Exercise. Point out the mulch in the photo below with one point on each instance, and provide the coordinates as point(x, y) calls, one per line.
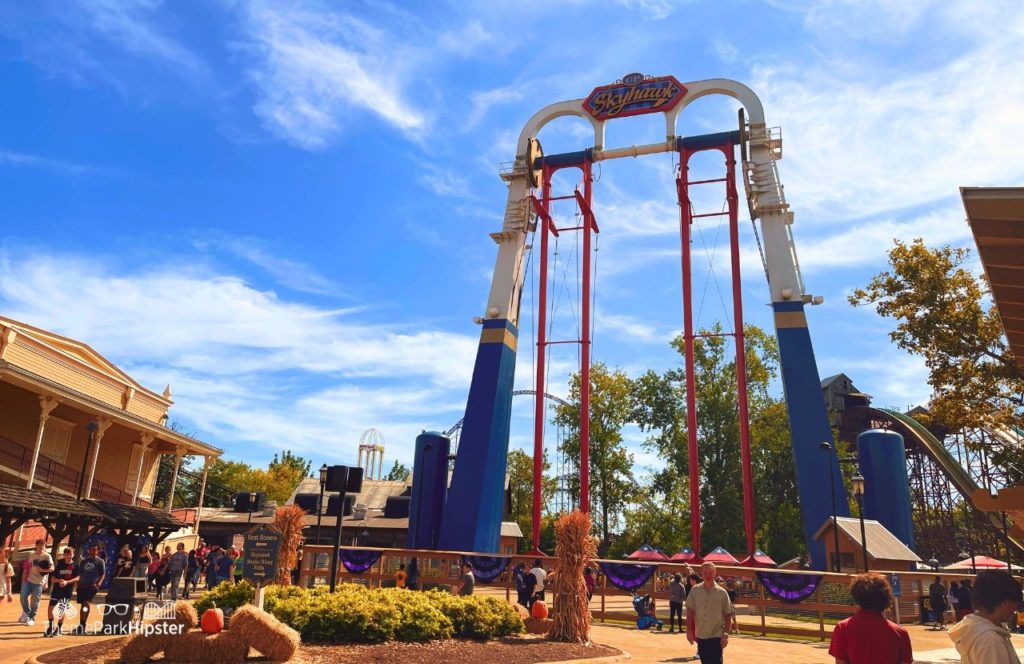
point(521, 650)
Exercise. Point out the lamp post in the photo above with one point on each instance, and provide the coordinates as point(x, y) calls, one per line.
point(320, 505)
point(858, 494)
point(252, 501)
point(1006, 542)
point(91, 427)
point(969, 545)
point(827, 448)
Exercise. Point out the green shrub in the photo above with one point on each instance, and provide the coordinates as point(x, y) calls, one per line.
point(355, 614)
point(227, 595)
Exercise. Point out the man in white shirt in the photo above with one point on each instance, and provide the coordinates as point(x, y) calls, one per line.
point(541, 576)
point(41, 564)
point(709, 615)
point(981, 638)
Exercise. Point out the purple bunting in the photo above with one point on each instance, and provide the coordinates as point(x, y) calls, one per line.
point(358, 562)
point(789, 588)
point(486, 568)
point(627, 576)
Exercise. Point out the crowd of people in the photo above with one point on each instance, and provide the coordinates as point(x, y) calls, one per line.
point(80, 577)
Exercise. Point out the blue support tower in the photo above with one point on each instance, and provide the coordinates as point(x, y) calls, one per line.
point(809, 426)
point(882, 457)
point(476, 498)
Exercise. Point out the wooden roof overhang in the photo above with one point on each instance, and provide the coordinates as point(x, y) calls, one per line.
point(60, 515)
point(127, 521)
point(996, 216)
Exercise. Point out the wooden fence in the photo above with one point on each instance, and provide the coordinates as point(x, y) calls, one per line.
point(757, 612)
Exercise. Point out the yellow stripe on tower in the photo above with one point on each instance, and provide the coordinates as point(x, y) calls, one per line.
point(784, 319)
point(498, 335)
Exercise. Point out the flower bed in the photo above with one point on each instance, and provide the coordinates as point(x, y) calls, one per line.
point(355, 614)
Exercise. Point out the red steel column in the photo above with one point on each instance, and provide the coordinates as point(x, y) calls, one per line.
point(588, 223)
point(542, 339)
point(682, 189)
point(741, 353)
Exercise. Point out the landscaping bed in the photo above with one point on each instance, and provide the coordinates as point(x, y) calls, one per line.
point(518, 649)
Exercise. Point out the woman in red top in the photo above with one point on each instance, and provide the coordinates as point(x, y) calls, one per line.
point(867, 637)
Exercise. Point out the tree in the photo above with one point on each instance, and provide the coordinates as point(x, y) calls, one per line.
point(611, 481)
point(520, 482)
point(278, 480)
point(659, 409)
point(940, 313)
point(398, 472)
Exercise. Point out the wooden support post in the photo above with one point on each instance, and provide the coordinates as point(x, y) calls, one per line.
point(764, 630)
point(46, 406)
point(821, 611)
point(104, 424)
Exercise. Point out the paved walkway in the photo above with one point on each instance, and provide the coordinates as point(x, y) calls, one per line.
point(19, 642)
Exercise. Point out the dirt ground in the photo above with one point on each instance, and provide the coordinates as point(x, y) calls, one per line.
point(520, 650)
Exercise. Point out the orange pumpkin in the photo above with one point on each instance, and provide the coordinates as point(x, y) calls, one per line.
point(212, 621)
point(539, 610)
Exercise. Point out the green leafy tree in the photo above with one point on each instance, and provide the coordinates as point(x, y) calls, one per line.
point(398, 472)
point(520, 482)
point(611, 482)
point(943, 315)
point(659, 409)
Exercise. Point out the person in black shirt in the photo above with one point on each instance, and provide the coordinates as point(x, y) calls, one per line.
point(937, 597)
point(90, 578)
point(62, 583)
point(965, 605)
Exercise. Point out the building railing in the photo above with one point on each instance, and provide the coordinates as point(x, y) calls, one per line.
point(54, 475)
point(757, 612)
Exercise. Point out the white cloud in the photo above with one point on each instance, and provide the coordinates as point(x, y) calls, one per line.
point(484, 100)
point(247, 366)
point(316, 68)
point(134, 26)
point(286, 272)
point(654, 10)
point(467, 40)
point(36, 161)
point(861, 139)
point(444, 181)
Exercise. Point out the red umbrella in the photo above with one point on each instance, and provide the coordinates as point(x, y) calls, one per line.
point(686, 556)
point(647, 552)
point(720, 556)
point(759, 559)
point(980, 562)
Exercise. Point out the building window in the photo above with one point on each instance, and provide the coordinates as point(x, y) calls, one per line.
point(57, 439)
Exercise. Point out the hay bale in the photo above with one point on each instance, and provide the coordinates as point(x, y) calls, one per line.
point(522, 611)
point(537, 625)
point(185, 615)
point(201, 648)
point(140, 647)
point(262, 631)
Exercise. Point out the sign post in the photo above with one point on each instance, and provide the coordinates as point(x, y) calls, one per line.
point(896, 592)
point(262, 552)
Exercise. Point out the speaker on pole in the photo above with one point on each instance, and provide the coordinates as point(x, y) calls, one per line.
point(355, 480)
point(337, 477)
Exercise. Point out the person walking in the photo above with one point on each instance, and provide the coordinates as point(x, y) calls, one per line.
point(541, 576)
point(519, 579)
point(966, 607)
point(212, 559)
point(954, 600)
point(177, 564)
point(6, 577)
point(91, 571)
point(124, 565)
point(590, 582)
point(676, 597)
point(40, 564)
point(867, 637)
point(163, 572)
point(400, 576)
point(708, 617)
point(191, 573)
point(414, 575)
point(142, 564)
point(62, 584)
point(937, 597)
point(980, 637)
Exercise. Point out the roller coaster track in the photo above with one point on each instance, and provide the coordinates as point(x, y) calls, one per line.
point(977, 496)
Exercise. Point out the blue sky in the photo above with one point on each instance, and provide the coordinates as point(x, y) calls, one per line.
point(282, 209)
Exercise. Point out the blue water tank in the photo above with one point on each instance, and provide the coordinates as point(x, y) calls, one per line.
point(883, 462)
point(429, 489)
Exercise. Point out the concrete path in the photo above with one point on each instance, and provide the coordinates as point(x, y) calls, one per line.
point(19, 642)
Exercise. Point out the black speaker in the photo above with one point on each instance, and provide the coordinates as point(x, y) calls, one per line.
point(243, 504)
point(126, 588)
point(396, 507)
point(310, 502)
point(333, 502)
point(355, 480)
point(337, 478)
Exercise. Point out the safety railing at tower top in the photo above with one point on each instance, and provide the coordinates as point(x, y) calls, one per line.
point(757, 612)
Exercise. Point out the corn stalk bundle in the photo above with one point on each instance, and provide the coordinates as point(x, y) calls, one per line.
point(574, 548)
point(290, 520)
